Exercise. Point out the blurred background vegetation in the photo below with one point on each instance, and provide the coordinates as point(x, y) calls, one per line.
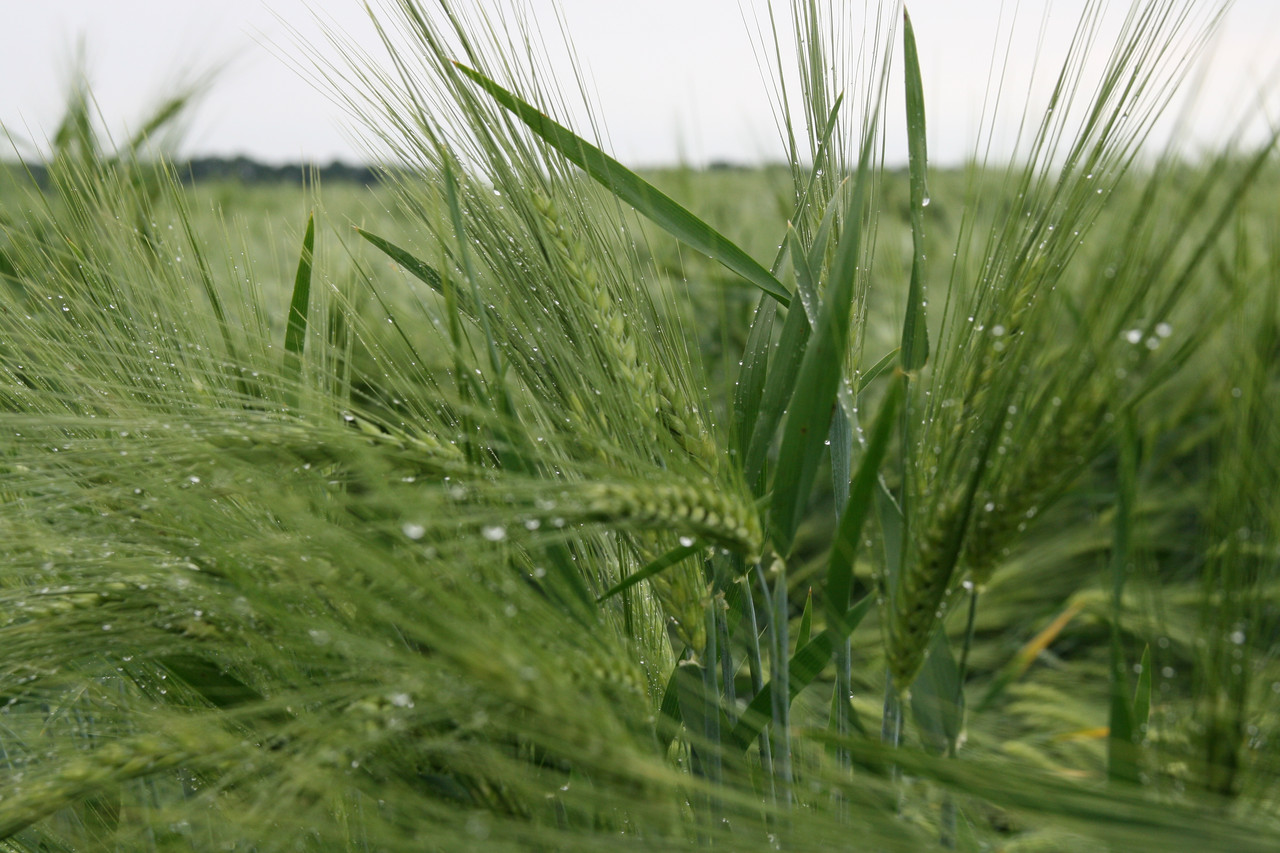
point(229, 614)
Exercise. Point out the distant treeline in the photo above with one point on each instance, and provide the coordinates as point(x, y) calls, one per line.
point(248, 171)
point(252, 172)
point(244, 170)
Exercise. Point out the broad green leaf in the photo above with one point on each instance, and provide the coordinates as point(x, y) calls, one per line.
point(915, 333)
point(634, 190)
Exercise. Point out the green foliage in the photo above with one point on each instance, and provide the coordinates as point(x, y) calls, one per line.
point(541, 531)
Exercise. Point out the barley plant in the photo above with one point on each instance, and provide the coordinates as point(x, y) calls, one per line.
point(519, 507)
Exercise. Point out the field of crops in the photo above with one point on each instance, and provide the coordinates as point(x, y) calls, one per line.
point(524, 502)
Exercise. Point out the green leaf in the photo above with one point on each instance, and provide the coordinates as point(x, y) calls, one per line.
point(749, 391)
point(1122, 750)
point(1021, 661)
point(634, 190)
point(915, 333)
point(1142, 696)
point(418, 269)
point(666, 561)
point(937, 702)
point(806, 664)
point(841, 442)
point(806, 622)
point(468, 270)
point(861, 496)
point(670, 707)
point(873, 372)
point(1122, 753)
point(819, 163)
point(778, 388)
point(806, 280)
point(816, 385)
point(818, 250)
point(295, 335)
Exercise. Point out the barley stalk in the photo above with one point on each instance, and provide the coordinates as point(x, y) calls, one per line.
point(703, 512)
point(659, 402)
point(916, 603)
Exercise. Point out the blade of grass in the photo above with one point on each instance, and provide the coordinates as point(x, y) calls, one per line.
point(841, 443)
point(934, 707)
point(872, 373)
point(418, 269)
point(756, 669)
point(749, 391)
point(805, 665)
point(819, 163)
point(818, 248)
point(805, 630)
point(812, 404)
point(1026, 655)
point(666, 561)
point(779, 385)
point(861, 495)
point(1122, 758)
point(468, 270)
point(634, 190)
point(295, 334)
point(1142, 696)
point(915, 332)
point(780, 673)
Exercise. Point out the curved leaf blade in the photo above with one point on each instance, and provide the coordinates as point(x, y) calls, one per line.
point(634, 190)
point(915, 332)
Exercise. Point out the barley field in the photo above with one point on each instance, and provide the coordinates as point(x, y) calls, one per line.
point(527, 502)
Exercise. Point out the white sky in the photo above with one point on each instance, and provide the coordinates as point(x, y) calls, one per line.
point(675, 78)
